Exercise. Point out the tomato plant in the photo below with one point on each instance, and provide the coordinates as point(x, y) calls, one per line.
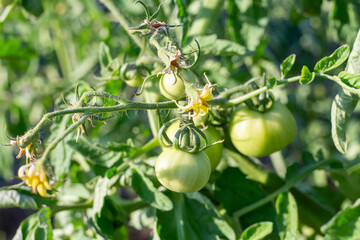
point(259, 134)
point(92, 96)
point(181, 171)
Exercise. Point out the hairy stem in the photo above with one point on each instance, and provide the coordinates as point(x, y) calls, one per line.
point(56, 141)
point(125, 104)
point(80, 206)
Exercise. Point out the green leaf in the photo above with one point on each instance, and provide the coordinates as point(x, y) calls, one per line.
point(334, 60)
point(145, 189)
point(353, 64)
point(306, 76)
point(287, 215)
point(344, 225)
point(211, 46)
point(109, 219)
point(33, 6)
point(290, 236)
point(270, 83)
point(100, 192)
point(257, 231)
point(6, 156)
point(350, 79)
point(12, 198)
point(37, 226)
point(104, 55)
point(241, 193)
point(142, 218)
point(343, 105)
point(96, 153)
point(253, 20)
point(60, 157)
point(287, 64)
point(340, 11)
point(193, 217)
point(183, 18)
point(294, 170)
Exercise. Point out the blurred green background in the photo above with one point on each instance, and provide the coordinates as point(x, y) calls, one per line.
point(48, 46)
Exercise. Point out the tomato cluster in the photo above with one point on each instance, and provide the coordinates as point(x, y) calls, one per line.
point(182, 171)
point(252, 132)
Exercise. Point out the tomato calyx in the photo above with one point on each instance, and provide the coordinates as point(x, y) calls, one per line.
point(151, 25)
point(188, 138)
point(261, 103)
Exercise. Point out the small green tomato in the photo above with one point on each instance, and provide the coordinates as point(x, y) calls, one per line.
point(171, 86)
point(134, 78)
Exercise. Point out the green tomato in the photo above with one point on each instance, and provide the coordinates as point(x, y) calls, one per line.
point(171, 86)
point(134, 78)
point(4, 3)
point(214, 153)
point(259, 134)
point(199, 119)
point(182, 171)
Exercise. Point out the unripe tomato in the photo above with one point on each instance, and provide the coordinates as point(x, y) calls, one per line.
point(4, 3)
point(259, 134)
point(134, 78)
point(171, 86)
point(200, 119)
point(214, 153)
point(182, 171)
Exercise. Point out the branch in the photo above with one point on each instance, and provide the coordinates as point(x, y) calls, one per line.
point(289, 184)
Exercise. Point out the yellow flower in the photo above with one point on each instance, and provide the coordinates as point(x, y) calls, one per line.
point(199, 106)
point(35, 178)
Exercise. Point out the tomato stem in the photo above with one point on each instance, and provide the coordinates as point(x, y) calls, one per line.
point(123, 105)
point(286, 187)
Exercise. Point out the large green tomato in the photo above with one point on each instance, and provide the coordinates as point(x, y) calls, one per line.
point(214, 153)
point(182, 171)
point(259, 134)
point(171, 86)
